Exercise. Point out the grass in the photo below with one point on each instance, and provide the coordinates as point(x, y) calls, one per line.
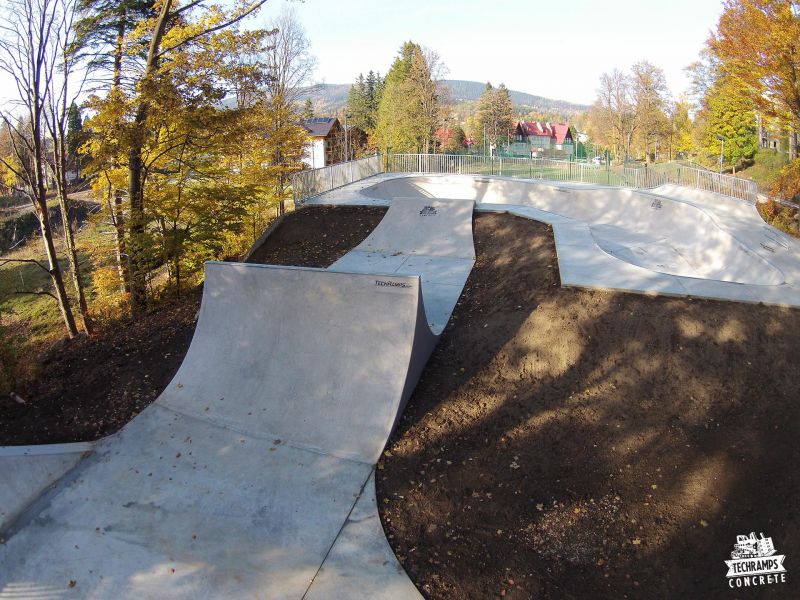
point(765, 169)
point(35, 320)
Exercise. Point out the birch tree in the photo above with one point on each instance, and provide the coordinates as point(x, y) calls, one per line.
point(29, 31)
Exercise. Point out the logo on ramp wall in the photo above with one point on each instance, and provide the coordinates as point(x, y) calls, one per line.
point(392, 284)
point(755, 562)
point(427, 211)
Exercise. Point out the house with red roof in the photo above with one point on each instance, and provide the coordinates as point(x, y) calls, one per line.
point(542, 139)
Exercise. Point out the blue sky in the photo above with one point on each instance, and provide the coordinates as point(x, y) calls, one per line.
point(550, 48)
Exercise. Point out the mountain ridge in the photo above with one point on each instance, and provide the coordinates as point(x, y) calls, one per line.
point(332, 97)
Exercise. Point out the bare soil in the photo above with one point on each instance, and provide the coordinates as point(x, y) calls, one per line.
point(91, 387)
point(318, 236)
point(566, 443)
point(561, 443)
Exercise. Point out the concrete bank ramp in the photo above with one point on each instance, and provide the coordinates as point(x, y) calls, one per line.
point(238, 480)
point(428, 237)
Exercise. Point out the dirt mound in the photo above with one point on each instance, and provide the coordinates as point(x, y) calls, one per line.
point(569, 443)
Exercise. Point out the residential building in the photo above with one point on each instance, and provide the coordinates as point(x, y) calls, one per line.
point(326, 144)
point(541, 140)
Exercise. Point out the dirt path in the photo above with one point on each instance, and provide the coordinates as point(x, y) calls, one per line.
point(94, 386)
point(575, 444)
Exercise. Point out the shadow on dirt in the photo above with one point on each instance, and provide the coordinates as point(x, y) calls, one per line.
point(567, 443)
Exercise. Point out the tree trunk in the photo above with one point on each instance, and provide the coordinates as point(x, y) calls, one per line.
point(118, 220)
point(59, 169)
point(54, 268)
point(40, 204)
point(137, 243)
point(72, 255)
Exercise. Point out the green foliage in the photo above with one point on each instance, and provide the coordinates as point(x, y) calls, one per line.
point(409, 107)
point(75, 134)
point(308, 109)
point(363, 100)
point(727, 112)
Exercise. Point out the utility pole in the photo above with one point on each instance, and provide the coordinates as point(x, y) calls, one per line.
point(346, 149)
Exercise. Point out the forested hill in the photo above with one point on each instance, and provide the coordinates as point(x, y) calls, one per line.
point(467, 91)
point(331, 97)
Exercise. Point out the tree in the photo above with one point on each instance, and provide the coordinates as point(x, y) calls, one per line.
point(203, 38)
point(495, 114)
point(29, 54)
point(612, 117)
point(410, 101)
point(451, 139)
point(728, 113)
point(363, 99)
point(680, 128)
point(105, 32)
point(757, 42)
point(75, 133)
point(650, 99)
point(289, 65)
point(308, 109)
point(60, 102)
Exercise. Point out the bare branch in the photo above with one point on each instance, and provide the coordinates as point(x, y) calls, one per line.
point(5, 261)
point(39, 293)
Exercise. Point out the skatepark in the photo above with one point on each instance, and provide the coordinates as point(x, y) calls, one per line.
point(176, 506)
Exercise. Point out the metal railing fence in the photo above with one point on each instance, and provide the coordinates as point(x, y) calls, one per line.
point(306, 184)
point(640, 177)
point(527, 168)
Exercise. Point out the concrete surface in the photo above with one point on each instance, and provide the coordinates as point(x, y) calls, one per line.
point(361, 562)
point(252, 476)
point(429, 238)
point(27, 471)
point(670, 240)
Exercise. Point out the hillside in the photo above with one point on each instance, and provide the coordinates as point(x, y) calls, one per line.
point(468, 91)
point(332, 97)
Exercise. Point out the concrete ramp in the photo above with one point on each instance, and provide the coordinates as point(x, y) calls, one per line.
point(240, 478)
point(313, 356)
point(428, 237)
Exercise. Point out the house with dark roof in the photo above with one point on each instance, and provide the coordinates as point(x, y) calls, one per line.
point(326, 142)
point(541, 139)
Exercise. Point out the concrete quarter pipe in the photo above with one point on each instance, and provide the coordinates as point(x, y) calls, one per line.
point(252, 474)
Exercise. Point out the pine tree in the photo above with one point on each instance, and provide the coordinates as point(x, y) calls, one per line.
point(308, 109)
point(409, 105)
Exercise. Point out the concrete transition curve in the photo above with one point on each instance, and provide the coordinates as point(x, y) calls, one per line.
point(252, 474)
point(670, 240)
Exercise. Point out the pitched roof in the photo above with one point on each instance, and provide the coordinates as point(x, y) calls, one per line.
point(561, 131)
point(557, 131)
point(320, 126)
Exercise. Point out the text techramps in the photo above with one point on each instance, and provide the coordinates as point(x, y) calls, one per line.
point(252, 476)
